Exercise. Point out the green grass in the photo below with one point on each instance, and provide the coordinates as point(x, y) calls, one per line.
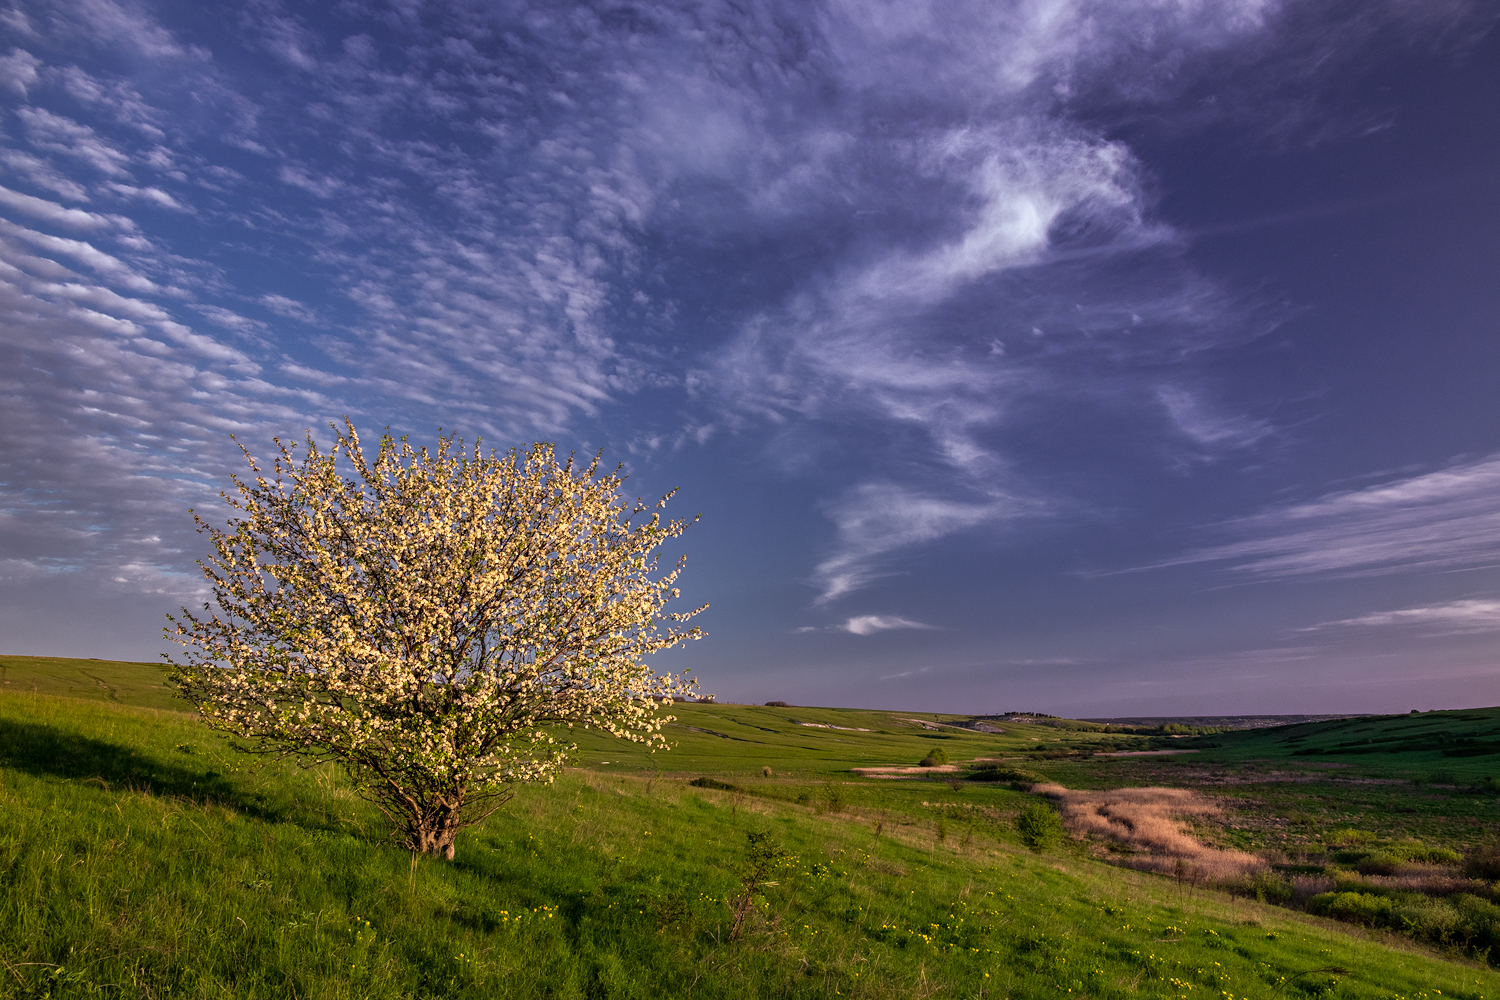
point(1440, 747)
point(140, 684)
point(140, 857)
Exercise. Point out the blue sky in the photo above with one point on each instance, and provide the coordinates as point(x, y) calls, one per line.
point(1064, 355)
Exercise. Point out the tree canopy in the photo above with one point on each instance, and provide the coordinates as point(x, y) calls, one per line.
point(432, 621)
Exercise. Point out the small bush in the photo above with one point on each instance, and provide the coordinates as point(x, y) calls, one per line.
point(1426, 917)
point(1415, 850)
point(1484, 862)
point(834, 797)
point(723, 786)
point(1348, 837)
point(1354, 907)
point(1378, 863)
point(1387, 859)
point(764, 859)
point(1266, 886)
point(1017, 776)
point(766, 771)
point(777, 704)
point(934, 758)
point(1039, 826)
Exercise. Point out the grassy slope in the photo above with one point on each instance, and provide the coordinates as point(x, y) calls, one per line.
point(741, 739)
point(138, 857)
point(1459, 745)
point(140, 684)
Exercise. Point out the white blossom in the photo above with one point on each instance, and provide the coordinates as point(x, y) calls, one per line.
point(431, 619)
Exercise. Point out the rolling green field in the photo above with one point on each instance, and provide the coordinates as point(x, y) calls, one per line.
point(143, 685)
point(139, 856)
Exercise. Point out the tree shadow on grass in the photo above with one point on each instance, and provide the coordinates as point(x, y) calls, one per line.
point(44, 751)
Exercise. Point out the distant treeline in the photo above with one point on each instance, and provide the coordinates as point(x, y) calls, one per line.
point(1219, 723)
point(1155, 727)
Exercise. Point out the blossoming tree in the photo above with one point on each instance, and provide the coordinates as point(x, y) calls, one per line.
point(432, 621)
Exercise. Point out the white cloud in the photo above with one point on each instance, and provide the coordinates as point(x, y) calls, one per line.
point(122, 102)
point(229, 319)
point(43, 174)
point(1474, 615)
point(60, 134)
point(154, 195)
point(877, 519)
point(919, 671)
point(299, 177)
point(281, 305)
point(1205, 425)
point(83, 252)
point(52, 212)
point(132, 30)
point(18, 71)
point(870, 624)
point(1446, 520)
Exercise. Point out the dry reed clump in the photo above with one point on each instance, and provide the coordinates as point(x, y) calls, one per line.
point(1152, 820)
point(1430, 880)
point(1305, 887)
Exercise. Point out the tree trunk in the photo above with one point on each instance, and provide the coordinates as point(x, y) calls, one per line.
point(433, 833)
point(436, 841)
point(431, 826)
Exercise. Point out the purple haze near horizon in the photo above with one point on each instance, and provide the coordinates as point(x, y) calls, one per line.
point(1093, 358)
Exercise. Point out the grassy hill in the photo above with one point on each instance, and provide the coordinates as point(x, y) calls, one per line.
point(1453, 745)
point(143, 685)
point(141, 857)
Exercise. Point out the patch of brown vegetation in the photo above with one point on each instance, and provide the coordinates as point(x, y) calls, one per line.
point(1155, 821)
point(903, 772)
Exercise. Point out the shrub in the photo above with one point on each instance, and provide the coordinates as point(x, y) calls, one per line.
point(777, 704)
point(1484, 861)
point(1017, 776)
point(1266, 886)
point(1347, 837)
point(722, 786)
point(764, 859)
point(834, 797)
point(1415, 850)
point(1482, 921)
point(1039, 826)
point(1379, 863)
point(1355, 907)
point(934, 758)
point(1426, 917)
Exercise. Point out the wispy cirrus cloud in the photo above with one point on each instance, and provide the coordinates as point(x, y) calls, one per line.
point(875, 520)
point(1439, 521)
point(1453, 617)
point(1207, 425)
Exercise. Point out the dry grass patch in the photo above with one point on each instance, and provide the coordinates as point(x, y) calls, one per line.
point(1155, 821)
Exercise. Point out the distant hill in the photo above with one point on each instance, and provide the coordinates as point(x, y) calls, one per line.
point(1458, 745)
point(143, 685)
point(1224, 721)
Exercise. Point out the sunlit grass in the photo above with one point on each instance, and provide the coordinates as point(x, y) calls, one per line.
point(139, 857)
